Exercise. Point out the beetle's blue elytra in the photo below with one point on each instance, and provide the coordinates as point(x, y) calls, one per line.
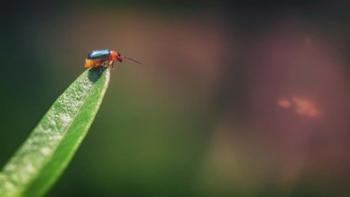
point(100, 53)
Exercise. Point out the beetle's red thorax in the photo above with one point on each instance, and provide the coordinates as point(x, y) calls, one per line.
point(115, 56)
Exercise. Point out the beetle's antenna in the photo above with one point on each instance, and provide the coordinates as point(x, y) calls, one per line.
point(133, 60)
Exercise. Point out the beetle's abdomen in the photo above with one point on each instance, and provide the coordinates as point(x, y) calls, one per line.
point(99, 54)
point(90, 63)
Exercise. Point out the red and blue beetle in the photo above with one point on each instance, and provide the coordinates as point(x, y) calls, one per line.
point(104, 57)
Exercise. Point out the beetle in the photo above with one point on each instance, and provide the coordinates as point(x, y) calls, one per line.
point(104, 57)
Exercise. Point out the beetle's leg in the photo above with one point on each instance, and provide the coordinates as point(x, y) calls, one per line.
point(105, 64)
point(111, 64)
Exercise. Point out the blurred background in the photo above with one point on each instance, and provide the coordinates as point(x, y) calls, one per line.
point(235, 98)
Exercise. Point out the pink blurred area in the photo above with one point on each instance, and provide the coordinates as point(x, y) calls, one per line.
point(297, 127)
point(306, 129)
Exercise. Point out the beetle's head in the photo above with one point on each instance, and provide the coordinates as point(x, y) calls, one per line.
point(116, 56)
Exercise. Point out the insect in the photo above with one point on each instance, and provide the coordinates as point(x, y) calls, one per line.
point(104, 57)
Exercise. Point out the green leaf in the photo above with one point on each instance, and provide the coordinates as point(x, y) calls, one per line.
point(45, 154)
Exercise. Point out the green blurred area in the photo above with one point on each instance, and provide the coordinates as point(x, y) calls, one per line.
point(184, 123)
